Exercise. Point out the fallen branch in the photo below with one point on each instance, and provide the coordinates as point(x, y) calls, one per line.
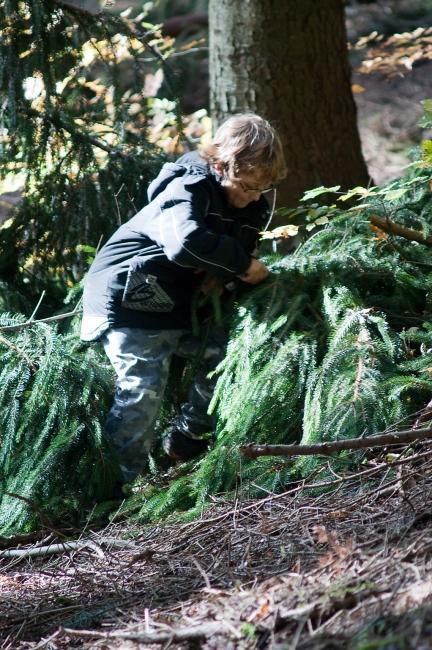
point(24, 538)
point(181, 634)
point(63, 547)
point(49, 549)
point(401, 231)
point(383, 440)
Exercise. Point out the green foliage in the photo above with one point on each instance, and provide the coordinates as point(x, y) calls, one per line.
point(340, 328)
point(53, 399)
point(335, 345)
point(426, 122)
point(74, 124)
point(12, 300)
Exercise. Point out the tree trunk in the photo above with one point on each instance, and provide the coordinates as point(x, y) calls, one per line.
point(288, 61)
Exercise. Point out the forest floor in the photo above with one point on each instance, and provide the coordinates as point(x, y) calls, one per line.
point(397, 77)
point(389, 109)
point(327, 565)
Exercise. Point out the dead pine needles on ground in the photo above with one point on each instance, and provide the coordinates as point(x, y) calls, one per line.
point(339, 562)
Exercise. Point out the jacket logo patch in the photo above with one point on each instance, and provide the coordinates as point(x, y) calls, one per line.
point(143, 292)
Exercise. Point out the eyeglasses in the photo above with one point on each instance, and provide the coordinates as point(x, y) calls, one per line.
point(264, 190)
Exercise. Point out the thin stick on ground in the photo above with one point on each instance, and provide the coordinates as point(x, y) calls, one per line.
point(180, 634)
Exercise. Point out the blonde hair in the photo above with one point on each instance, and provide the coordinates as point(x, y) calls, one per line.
point(247, 143)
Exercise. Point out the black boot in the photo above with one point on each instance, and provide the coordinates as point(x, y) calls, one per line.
point(178, 446)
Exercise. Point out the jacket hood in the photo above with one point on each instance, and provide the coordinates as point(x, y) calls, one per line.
point(190, 164)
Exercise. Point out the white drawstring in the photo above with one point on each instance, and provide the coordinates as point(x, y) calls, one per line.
point(272, 211)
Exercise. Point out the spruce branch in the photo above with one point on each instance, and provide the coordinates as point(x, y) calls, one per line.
point(75, 9)
point(43, 517)
point(402, 231)
point(30, 322)
point(143, 36)
point(15, 348)
point(169, 75)
point(359, 376)
point(324, 448)
point(60, 122)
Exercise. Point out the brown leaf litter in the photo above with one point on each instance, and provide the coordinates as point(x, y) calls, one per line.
point(328, 564)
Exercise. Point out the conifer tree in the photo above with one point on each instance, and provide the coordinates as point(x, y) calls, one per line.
point(75, 131)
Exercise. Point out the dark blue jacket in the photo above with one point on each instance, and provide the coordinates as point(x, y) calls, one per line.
point(145, 275)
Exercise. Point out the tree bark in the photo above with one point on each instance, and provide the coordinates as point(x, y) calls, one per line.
point(288, 61)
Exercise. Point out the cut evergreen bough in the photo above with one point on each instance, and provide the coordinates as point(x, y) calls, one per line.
point(54, 394)
point(336, 344)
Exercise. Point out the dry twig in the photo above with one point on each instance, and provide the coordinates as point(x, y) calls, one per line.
point(323, 448)
point(179, 634)
point(401, 231)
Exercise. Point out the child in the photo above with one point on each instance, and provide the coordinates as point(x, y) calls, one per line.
point(200, 228)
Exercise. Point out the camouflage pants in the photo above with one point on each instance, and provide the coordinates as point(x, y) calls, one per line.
point(141, 359)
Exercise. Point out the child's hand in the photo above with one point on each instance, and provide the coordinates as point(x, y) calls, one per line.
point(257, 272)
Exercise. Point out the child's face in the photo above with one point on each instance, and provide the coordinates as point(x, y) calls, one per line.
point(244, 189)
